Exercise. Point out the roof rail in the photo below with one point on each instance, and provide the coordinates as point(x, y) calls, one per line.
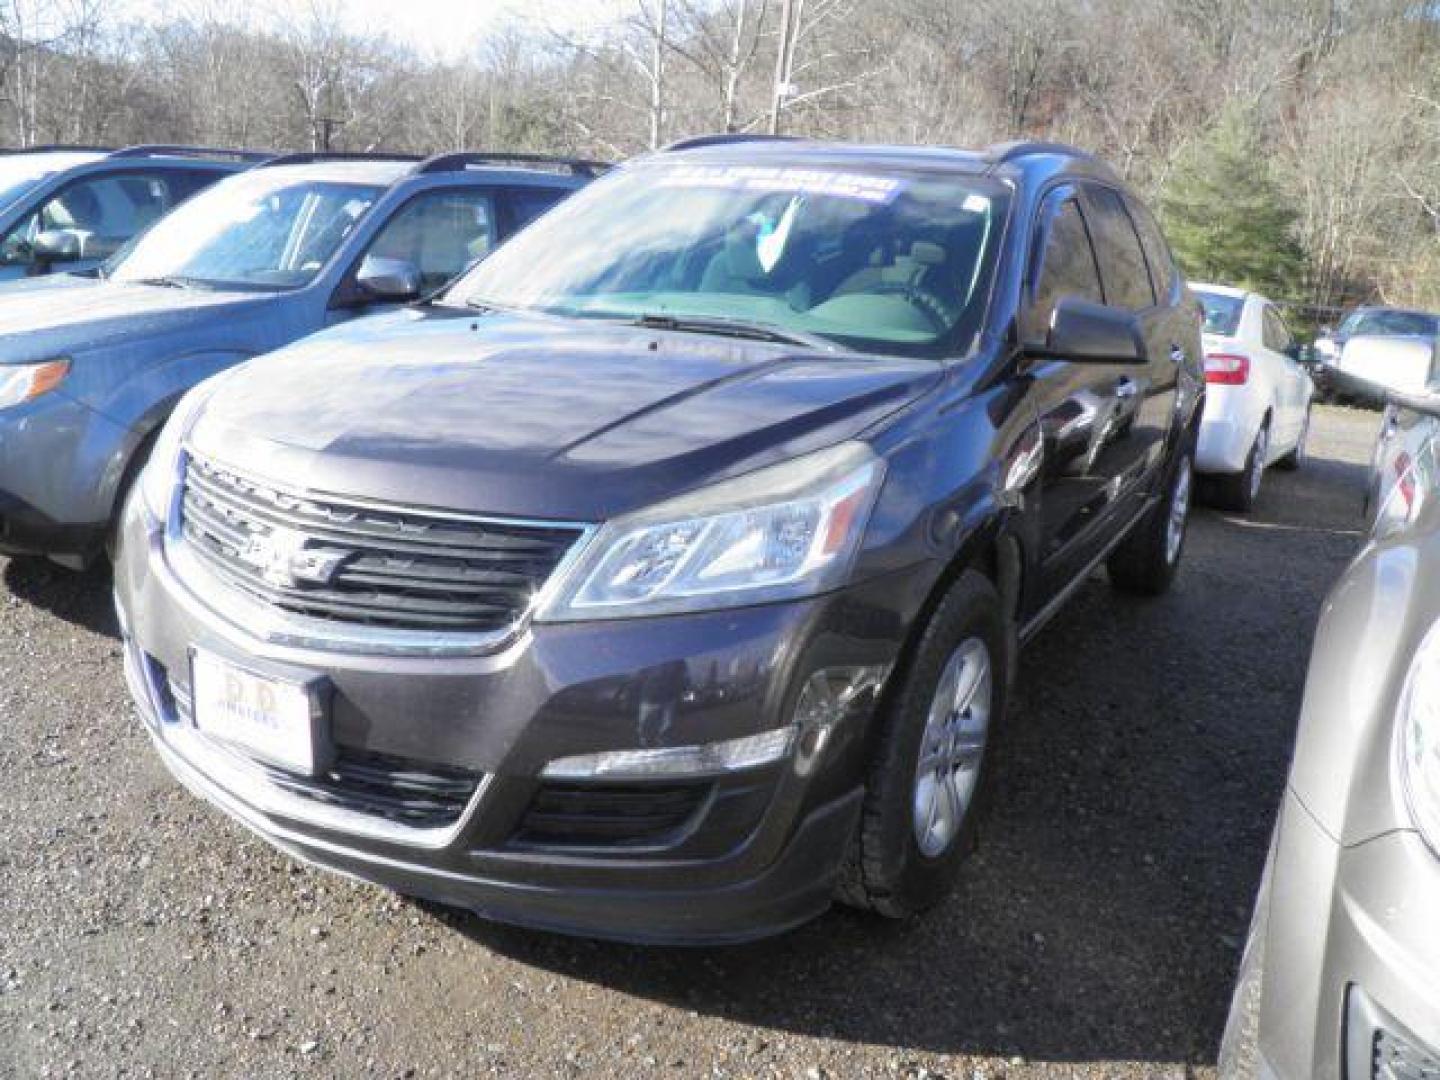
point(310, 157)
point(723, 139)
point(453, 162)
point(1009, 151)
point(51, 148)
point(173, 150)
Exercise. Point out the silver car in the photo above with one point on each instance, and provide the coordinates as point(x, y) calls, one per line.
point(1341, 973)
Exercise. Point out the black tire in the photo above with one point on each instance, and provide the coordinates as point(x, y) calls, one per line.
point(886, 871)
point(1146, 561)
point(1296, 457)
point(1239, 491)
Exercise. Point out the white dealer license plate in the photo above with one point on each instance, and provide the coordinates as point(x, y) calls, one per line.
point(270, 718)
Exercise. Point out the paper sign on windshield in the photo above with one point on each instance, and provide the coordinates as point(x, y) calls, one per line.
point(761, 178)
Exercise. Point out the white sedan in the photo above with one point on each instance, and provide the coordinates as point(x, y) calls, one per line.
point(1257, 396)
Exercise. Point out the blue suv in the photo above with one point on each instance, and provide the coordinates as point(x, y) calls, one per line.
point(90, 367)
point(71, 208)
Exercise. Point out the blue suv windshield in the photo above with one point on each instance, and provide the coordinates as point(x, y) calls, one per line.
point(883, 261)
point(258, 230)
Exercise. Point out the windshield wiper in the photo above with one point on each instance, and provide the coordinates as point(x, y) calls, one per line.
point(167, 281)
point(738, 328)
point(490, 305)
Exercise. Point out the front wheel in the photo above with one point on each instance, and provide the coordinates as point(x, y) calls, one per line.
point(1146, 560)
point(932, 763)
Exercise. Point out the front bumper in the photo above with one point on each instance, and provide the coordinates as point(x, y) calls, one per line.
point(1351, 953)
point(1333, 381)
point(60, 465)
point(749, 854)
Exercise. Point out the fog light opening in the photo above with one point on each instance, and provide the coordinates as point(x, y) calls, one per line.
point(826, 699)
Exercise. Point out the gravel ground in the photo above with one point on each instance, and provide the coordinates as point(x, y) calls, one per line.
point(1096, 934)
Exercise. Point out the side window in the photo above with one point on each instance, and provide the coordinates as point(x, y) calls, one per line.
point(102, 213)
point(440, 233)
point(1065, 265)
point(1163, 272)
point(1276, 333)
point(186, 182)
point(1122, 260)
point(526, 204)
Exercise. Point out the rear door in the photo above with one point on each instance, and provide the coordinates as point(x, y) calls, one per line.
point(1130, 284)
point(1292, 384)
point(1088, 411)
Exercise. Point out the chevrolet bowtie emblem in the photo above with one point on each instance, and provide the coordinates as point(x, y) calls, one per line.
point(284, 559)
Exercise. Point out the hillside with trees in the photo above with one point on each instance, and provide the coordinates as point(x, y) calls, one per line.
point(1292, 144)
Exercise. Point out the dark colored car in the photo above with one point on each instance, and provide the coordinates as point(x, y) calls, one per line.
point(71, 208)
point(664, 575)
point(91, 366)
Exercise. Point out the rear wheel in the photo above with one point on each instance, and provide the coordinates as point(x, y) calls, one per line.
point(927, 785)
point(1146, 560)
point(1296, 457)
point(1238, 491)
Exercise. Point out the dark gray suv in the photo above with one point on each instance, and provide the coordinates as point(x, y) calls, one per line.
point(663, 576)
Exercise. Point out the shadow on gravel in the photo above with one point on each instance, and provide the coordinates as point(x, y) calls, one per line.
point(81, 599)
point(1102, 917)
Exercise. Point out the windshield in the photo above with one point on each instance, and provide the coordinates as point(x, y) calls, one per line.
point(884, 262)
point(22, 173)
point(1222, 313)
point(1390, 324)
point(258, 230)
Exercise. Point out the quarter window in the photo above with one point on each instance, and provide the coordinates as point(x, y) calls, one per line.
point(1067, 262)
point(1122, 260)
point(440, 233)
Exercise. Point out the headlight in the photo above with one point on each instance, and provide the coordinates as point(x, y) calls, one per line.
point(24, 382)
point(1420, 738)
point(786, 531)
point(160, 481)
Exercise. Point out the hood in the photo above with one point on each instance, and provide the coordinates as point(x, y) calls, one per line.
point(1397, 363)
point(537, 417)
point(63, 314)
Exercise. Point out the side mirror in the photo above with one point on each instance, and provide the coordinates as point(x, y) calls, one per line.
point(390, 280)
point(57, 246)
point(1083, 331)
point(1304, 355)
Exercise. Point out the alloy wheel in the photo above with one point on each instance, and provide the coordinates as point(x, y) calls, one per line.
point(957, 729)
point(1179, 510)
point(1257, 463)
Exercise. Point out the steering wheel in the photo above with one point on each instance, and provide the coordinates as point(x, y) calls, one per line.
point(922, 300)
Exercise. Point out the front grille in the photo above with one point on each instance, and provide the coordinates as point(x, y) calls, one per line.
point(348, 562)
point(412, 793)
point(594, 815)
point(1393, 1057)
